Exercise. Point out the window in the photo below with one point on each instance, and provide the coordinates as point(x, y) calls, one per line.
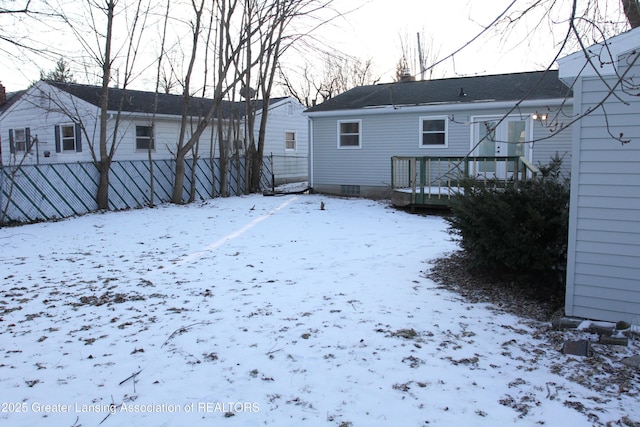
point(19, 140)
point(349, 134)
point(433, 132)
point(289, 140)
point(68, 138)
point(144, 138)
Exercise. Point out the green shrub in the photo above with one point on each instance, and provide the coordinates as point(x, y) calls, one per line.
point(520, 232)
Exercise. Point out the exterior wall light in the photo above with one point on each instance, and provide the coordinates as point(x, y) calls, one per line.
point(540, 117)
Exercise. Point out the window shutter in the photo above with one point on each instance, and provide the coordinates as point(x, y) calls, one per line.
point(12, 148)
point(57, 136)
point(78, 138)
point(27, 137)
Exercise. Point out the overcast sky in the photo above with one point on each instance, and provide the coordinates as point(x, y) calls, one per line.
point(376, 29)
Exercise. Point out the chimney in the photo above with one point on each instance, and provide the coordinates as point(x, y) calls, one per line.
point(3, 94)
point(407, 77)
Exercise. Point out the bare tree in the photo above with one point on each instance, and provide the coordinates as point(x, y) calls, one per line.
point(417, 51)
point(97, 42)
point(18, 45)
point(182, 150)
point(152, 142)
point(338, 74)
point(272, 39)
point(229, 46)
point(104, 163)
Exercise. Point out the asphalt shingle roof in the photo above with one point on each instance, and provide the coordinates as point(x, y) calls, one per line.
point(136, 101)
point(534, 85)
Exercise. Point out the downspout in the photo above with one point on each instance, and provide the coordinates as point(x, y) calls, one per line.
point(310, 136)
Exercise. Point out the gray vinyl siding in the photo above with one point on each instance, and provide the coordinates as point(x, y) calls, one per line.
point(603, 272)
point(391, 134)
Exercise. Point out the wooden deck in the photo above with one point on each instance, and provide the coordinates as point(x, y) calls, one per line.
point(434, 181)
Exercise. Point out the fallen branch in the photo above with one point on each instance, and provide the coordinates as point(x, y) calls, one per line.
point(135, 374)
point(181, 330)
point(112, 411)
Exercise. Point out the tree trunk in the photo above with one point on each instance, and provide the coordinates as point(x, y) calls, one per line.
point(178, 180)
point(194, 168)
point(103, 184)
point(102, 198)
point(224, 160)
point(183, 149)
point(632, 12)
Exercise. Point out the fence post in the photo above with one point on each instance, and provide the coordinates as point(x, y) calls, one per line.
point(273, 175)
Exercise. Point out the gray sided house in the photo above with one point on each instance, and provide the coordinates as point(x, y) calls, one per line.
point(355, 135)
point(603, 271)
point(55, 122)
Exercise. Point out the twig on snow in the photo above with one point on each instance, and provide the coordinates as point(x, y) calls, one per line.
point(271, 350)
point(113, 405)
point(181, 330)
point(134, 375)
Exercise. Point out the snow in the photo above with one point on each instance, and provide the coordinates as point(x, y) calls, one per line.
point(256, 310)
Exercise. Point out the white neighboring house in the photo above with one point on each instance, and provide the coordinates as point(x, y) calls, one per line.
point(286, 140)
point(54, 122)
point(603, 268)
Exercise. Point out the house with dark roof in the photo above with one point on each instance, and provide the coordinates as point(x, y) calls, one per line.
point(55, 122)
point(355, 135)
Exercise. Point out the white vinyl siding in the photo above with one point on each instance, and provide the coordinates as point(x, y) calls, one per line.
point(50, 127)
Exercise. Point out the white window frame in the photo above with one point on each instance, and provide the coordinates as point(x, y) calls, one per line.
point(422, 132)
point(350, 147)
point(529, 125)
point(23, 142)
point(68, 138)
point(287, 140)
point(151, 138)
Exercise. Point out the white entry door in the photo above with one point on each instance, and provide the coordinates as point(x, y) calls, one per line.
point(495, 138)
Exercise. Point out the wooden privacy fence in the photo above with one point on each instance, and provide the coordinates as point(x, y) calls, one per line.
point(51, 191)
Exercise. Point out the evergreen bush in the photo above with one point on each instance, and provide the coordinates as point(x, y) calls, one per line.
point(520, 231)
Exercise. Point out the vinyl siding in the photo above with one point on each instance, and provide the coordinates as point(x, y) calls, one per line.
point(603, 272)
point(288, 165)
point(30, 112)
point(43, 107)
point(398, 134)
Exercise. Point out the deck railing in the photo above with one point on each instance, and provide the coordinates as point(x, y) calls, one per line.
point(434, 180)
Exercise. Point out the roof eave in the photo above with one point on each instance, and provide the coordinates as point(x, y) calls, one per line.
point(439, 107)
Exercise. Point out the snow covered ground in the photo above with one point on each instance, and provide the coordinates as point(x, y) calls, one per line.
point(253, 311)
